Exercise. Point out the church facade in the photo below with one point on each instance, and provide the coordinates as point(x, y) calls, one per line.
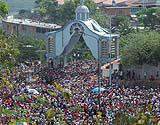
point(99, 40)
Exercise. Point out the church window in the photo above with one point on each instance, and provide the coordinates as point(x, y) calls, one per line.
point(78, 16)
point(104, 49)
point(83, 16)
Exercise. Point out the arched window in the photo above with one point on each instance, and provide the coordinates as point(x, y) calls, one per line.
point(83, 16)
point(104, 49)
point(113, 48)
point(78, 16)
point(51, 45)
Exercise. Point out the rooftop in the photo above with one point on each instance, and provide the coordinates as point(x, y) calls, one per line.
point(30, 22)
point(123, 2)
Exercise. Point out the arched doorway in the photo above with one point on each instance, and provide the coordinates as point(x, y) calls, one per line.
point(80, 51)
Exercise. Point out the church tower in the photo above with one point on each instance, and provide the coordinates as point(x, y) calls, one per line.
point(82, 12)
point(113, 3)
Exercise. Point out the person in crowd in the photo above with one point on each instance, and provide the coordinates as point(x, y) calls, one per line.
point(78, 78)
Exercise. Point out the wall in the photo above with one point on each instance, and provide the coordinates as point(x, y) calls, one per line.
point(117, 11)
point(22, 29)
point(140, 70)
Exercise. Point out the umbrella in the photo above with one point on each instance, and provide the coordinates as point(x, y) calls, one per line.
point(33, 91)
point(96, 89)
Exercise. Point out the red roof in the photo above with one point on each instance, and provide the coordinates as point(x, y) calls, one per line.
point(98, 1)
point(109, 2)
point(60, 2)
point(117, 61)
point(134, 3)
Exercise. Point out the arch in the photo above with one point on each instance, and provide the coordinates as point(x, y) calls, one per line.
point(72, 42)
point(94, 36)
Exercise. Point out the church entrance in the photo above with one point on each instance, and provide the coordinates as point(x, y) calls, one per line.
point(80, 51)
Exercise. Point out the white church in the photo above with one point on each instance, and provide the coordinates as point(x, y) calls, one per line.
point(99, 40)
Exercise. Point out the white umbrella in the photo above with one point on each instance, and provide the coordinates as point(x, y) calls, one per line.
point(33, 91)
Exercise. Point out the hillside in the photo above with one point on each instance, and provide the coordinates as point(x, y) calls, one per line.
point(17, 5)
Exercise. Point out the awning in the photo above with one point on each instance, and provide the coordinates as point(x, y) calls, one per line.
point(117, 61)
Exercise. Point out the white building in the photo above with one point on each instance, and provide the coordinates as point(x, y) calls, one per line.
point(99, 40)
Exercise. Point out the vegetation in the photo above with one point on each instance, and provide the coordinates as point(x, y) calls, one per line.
point(18, 49)
point(50, 11)
point(150, 18)
point(123, 24)
point(140, 47)
point(8, 50)
point(81, 51)
point(4, 9)
point(8, 46)
point(102, 20)
point(137, 48)
point(30, 48)
point(25, 14)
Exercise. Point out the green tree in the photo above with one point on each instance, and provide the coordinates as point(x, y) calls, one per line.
point(4, 9)
point(48, 10)
point(29, 48)
point(8, 46)
point(150, 18)
point(102, 19)
point(123, 24)
point(8, 50)
point(140, 48)
point(67, 11)
point(24, 14)
point(82, 50)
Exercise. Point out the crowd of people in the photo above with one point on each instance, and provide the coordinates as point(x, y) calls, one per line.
point(85, 107)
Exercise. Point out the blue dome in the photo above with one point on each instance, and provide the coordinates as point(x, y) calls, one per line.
point(82, 9)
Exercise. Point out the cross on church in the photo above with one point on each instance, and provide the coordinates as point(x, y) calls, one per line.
point(81, 2)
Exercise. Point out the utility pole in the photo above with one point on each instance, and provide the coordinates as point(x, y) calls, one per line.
point(99, 68)
point(110, 54)
point(144, 4)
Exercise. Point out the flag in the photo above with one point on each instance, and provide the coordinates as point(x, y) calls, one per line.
point(58, 87)
point(50, 114)
point(67, 96)
point(51, 93)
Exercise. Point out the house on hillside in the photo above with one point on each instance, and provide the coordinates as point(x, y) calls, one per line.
point(147, 3)
point(27, 27)
point(114, 7)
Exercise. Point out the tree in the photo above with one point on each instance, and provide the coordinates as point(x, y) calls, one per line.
point(4, 9)
point(150, 18)
point(29, 48)
point(123, 24)
point(67, 11)
point(48, 10)
point(8, 50)
point(81, 51)
point(8, 46)
point(102, 19)
point(140, 47)
point(24, 14)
